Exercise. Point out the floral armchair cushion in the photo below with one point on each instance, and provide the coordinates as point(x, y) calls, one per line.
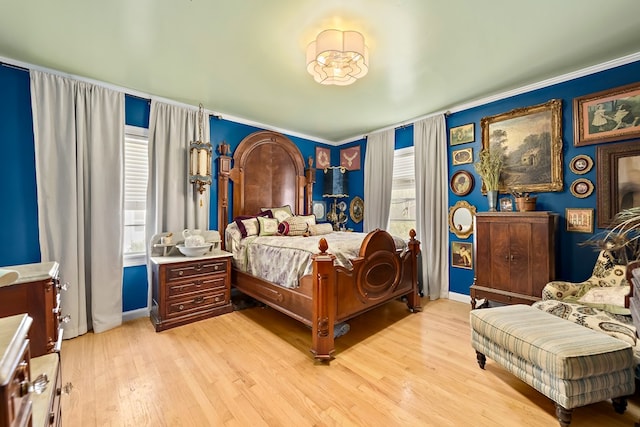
point(606, 274)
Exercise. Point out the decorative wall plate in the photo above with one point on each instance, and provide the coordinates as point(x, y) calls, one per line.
point(356, 209)
point(461, 183)
point(581, 164)
point(581, 188)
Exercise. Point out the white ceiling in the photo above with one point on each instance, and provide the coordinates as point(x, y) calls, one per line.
point(246, 58)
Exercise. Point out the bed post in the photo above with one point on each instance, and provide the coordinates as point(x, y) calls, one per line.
point(324, 304)
point(224, 168)
point(310, 175)
point(413, 299)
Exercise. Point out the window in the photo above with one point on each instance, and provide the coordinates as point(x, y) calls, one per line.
point(136, 169)
point(402, 215)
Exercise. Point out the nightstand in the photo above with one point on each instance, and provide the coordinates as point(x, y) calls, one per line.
point(187, 289)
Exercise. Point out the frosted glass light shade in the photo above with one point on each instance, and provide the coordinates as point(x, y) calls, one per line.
point(337, 57)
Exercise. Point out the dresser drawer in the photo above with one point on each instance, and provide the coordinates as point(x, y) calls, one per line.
point(197, 303)
point(179, 272)
point(15, 401)
point(185, 288)
point(46, 405)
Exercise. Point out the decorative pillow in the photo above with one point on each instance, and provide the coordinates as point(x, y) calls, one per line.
point(610, 298)
point(241, 226)
point(281, 213)
point(251, 227)
point(283, 228)
point(297, 226)
point(310, 219)
point(318, 229)
point(268, 226)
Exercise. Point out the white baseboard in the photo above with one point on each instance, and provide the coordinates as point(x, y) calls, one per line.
point(459, 297)
point(135, 314)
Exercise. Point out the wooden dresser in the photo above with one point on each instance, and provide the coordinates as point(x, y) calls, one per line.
point(515, 256)
point(37, 293)
point(186, 289)
point(21, 376)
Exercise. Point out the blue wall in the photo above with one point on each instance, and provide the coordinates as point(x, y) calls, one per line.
point(19, 196)
point(575, 262)
point(18, 191)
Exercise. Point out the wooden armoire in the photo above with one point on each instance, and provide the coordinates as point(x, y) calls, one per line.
point(515, 256)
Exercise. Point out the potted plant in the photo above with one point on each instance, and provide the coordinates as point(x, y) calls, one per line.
point(489, 166)
point(524, 201)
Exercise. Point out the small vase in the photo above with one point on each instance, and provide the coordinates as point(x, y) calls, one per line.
point(492, 198)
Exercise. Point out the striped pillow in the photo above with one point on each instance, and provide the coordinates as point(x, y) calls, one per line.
point(298, 226)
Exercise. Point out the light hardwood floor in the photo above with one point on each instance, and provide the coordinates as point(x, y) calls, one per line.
point(253, 368)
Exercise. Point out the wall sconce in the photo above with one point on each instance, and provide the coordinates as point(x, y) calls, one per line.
point(336, 184)
point(200, 158)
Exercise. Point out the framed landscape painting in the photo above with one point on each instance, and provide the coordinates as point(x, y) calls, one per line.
point(610, 115)
point(530, 139)
point(462, 134)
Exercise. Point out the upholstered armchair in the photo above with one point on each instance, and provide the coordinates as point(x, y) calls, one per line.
point(597, 303)
point(591, 292)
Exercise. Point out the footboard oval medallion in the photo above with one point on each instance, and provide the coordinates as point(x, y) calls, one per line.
point(378, 277)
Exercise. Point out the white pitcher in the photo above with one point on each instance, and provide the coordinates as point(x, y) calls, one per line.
point(192, 238)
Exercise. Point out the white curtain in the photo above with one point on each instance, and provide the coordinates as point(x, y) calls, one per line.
point(172, 202)
point(430, 142)
point(79, 150)
point(378, 179)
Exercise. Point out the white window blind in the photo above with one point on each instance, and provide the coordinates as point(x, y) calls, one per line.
point(136, 172)
point(402, 213)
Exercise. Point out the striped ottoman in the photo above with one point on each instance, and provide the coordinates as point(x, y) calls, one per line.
point(570, 364)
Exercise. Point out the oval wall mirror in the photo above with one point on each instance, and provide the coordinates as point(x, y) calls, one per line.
point(461, 219)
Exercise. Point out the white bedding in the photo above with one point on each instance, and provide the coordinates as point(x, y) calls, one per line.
point(285, 259)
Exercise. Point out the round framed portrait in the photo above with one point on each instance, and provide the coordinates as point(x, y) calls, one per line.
point(461, 183)
point(581, 188)
point(581, 164)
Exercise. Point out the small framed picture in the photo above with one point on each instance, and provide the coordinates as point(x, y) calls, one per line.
point(461, 255)
point(323, 157)
point(462, 134)
point(579, 220)
point(350, 158)
point(506, 204)
point(461, 183)
point(462, 157)
point(581, 164)
point(320, 210)
point(581, 188)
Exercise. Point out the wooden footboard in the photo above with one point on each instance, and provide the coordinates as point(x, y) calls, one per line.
point(333, 294)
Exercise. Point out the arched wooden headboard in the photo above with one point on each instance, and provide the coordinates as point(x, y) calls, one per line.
point(268, 171)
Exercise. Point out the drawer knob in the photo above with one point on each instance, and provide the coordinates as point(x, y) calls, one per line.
point(198, 300)
point(216, 267)
point(180, 273)
point(217, 299)
point(181, 307)
point(66, 318)
point(198, 283)
point(38, 386)
point(198, 267)
point(62, 287)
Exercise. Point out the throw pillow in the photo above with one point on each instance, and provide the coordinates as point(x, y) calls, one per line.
point(319, 229)
point(268, 226)
point(297, 226)
point(280, 213)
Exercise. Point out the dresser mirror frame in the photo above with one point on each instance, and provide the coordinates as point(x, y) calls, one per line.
point(461, 219)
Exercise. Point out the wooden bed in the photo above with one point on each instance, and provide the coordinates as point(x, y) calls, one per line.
point(269, 171)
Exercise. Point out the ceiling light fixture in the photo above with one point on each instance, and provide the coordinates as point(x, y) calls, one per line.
point(337, 57)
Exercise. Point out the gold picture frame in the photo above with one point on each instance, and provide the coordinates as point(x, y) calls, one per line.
point(579, 220)
point(531, 140)
point(606, 116)
point(462, 157)
point(581, 164)
point(356, 209)
point(462, 134)
point(462, 255)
